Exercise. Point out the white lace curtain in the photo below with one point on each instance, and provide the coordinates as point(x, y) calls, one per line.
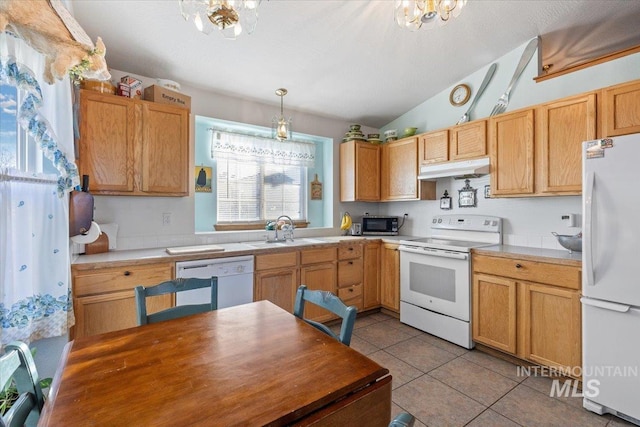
point(35, 300)
point(235, 146)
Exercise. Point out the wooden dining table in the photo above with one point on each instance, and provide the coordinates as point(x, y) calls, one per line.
point(249, 365)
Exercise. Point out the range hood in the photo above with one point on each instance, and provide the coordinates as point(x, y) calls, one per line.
point(460, 169)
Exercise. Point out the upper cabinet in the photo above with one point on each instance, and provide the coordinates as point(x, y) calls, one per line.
point(433, 147)
point(132, 147)
point(373, 173)
point(511, 148)
point(359, 172)
point(468, 140)
point(538, 152)
point(399, 173)
point(621, 109)
point(561, 127)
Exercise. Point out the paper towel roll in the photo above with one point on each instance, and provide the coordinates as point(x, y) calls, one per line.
point(91, 236)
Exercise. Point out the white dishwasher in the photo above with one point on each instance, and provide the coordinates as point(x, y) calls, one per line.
point(235, 280)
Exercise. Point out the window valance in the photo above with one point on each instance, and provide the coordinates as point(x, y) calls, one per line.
point(235, 146)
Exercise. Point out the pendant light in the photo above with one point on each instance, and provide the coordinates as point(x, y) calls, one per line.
point(281, 127)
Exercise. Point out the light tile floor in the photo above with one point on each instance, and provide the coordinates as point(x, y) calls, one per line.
point(443, 384)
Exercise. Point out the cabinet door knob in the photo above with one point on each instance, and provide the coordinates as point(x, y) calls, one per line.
point(127, 273)
point(518, 265)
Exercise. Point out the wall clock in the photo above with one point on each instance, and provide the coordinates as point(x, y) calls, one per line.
point(460, 95)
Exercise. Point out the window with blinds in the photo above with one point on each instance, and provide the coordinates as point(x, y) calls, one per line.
point(254, 191)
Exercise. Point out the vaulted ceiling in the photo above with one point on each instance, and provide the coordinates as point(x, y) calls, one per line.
point(347, 59)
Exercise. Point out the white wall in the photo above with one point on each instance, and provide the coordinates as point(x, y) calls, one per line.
point(527, 221)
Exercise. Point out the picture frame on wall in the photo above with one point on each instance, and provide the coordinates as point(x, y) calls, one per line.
point(467, 196)
point(202, 176)
point(445, 201)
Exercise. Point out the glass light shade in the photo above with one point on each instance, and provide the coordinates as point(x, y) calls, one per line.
point(413, 14)
point(281, 128)
point(230, 17)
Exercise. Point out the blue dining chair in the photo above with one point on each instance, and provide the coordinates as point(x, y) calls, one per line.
point(403, 419)
point(330, 302)
point(17, 364)
point(173, 287)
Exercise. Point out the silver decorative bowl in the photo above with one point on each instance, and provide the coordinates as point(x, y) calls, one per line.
point(572, 243)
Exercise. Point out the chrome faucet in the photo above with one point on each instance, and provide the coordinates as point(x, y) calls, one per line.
point(287, 229)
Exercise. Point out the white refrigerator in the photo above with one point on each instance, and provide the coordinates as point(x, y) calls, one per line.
point(611, 276)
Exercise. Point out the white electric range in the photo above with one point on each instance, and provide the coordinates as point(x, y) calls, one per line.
point(435, 275)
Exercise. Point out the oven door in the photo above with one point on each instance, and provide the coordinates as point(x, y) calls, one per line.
point(436, 280)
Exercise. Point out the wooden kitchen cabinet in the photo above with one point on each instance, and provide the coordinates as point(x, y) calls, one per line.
point(433, 147)
point(276, 279)
point(494, 312)
point(620, 109)
point(399, 173)
point(468, 140)
point(561, 127)
point(511, 150)
point(372, 260)
point(390, 277)
point(350, 274)
point(133, 147)
point(359, 172)
point(107, 140)
point(551, 325)
point(104, 301)
point(319, 272)
point(529, 309)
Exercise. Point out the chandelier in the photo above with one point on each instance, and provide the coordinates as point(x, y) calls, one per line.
point(231, 17)
point(281, 129)
point(413, 14)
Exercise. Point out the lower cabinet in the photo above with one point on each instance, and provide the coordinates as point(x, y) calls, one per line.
point(350, 275)
point(276, 279)
point(278, 276)
point(390, 277)
point(372, 257)
point(104, 301)
point(528, 309)
point(318, 272)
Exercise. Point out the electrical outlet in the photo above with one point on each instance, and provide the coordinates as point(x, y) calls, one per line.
point(166, 218)
point(569, 219)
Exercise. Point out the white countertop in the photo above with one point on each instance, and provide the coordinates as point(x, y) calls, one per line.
point(230, 249)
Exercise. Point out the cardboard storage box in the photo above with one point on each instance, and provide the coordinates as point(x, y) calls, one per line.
point(163, 95)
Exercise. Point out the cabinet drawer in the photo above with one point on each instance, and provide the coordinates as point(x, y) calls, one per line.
point(279, 260)
point(350, 292)
point(117, 279)
point(349, 251)
point(533, 271)
point(315, 256)
point(349, 272)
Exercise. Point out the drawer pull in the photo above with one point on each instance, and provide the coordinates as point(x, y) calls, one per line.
point(350, 289)
point(351, 262)
point(350, 249)
point(127, 273)
point(518, 265)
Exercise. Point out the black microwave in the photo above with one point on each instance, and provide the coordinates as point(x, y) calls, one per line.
point(374, 225)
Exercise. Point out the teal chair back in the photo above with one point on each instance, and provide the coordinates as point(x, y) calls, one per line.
point(403, 419)
point(330, 302)
point(17, 364)
point(173, 287)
